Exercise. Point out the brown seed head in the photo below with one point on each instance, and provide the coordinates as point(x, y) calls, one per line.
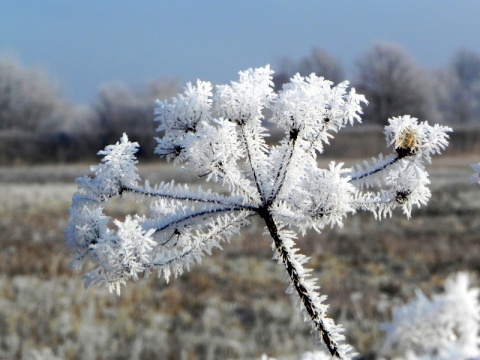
point(407, 140)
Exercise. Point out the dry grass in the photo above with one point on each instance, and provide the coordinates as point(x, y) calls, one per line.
point(233, 305)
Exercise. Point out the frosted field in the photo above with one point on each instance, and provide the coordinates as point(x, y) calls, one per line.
point(35, 197)
point(233, 305)
point(43, 187)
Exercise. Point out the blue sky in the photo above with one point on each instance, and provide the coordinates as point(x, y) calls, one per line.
point(83, 44)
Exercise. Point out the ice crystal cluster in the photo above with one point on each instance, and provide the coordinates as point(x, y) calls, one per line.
point(310, 355)
point(220, 134)
point(475, 177)
point(444, 327)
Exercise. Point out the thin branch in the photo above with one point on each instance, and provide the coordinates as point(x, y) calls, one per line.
point(250, 162)
point(140, 191)
point(237, 184)
point(315, 139)
point(203, 243)
point(376, 170)
point(197, 214)
point(282, 171)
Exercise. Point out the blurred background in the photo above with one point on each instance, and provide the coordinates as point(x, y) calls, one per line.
point(75, 75)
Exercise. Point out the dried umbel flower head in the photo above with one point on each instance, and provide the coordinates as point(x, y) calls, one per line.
point(407, 139)
point(410, 137)
point(406, 142)
point(221, 137)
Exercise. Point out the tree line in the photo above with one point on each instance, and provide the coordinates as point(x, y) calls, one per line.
point(38, 125)
point(394, 84)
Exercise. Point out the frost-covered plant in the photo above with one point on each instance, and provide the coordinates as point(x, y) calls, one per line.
point(221, 136)
point(475, 177)
point(310, 355)
point(443, 327)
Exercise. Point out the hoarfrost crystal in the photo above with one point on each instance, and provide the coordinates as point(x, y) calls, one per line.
point(221, 136)
point(442, 328)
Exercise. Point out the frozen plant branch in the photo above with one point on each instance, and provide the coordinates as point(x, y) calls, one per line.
point(220, 136)
point(475, 177)
point(442, 327)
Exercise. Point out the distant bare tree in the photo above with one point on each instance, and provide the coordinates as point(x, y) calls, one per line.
point(323, 64)
point(318, 62)
point(458, 93)
point(29, 99)
point(393, 84)
point(120, 109)
point(32, 115)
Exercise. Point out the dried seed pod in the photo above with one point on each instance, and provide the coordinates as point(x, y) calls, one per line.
point(407, 143)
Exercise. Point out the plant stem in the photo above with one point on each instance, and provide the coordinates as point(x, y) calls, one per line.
point(297, 280)
point(376, 170)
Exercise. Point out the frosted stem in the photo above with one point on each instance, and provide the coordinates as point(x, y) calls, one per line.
point(376, 170)
point(305, 295)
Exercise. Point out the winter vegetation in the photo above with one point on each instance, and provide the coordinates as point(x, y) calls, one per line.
point(34, 112)
point(475, 177)
point(220, 136)
point(443, 327)
point(401, 288)
point(233, 305)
